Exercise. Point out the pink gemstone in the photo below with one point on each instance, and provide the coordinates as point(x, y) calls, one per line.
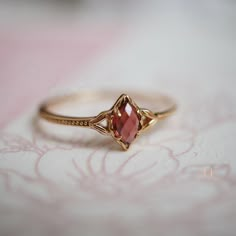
point(126, 124)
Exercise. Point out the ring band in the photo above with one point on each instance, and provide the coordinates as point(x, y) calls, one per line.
point(124, 121)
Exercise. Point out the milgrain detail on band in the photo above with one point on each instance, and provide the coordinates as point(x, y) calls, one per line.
point(82, 122)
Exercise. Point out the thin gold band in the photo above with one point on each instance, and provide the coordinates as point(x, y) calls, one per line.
point(44, 110)
point(144, 117)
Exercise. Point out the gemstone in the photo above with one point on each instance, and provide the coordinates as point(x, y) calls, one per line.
point(126, 122)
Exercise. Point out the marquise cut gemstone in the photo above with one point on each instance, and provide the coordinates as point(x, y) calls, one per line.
point(126, 122)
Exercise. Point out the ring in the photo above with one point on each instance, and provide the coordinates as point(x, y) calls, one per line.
point(124, 121)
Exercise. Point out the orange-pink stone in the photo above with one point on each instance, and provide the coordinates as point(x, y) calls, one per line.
point(126, 125)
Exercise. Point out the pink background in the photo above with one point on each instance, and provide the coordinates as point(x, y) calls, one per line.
point(177, 179)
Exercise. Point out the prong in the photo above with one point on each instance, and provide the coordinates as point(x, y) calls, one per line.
point(125, 146)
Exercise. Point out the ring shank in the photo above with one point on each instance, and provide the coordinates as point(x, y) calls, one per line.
point(45, 110)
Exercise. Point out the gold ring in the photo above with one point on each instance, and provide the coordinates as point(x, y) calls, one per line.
point(124, 121)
